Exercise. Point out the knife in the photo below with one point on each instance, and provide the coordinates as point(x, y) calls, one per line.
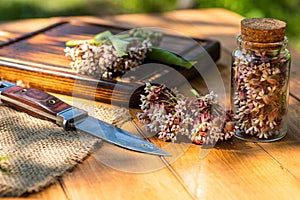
point(43, 105)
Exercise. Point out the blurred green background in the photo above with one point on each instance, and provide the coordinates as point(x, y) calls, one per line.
point(286, 10)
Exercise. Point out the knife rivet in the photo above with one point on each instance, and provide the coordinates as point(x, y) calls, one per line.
point(51, 101)
point(24, 90)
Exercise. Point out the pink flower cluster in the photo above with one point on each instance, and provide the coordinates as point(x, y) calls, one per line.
point(169, 114)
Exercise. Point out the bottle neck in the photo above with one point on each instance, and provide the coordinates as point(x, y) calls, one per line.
point(265, 49)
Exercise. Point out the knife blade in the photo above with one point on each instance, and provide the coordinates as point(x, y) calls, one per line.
point(43, 105)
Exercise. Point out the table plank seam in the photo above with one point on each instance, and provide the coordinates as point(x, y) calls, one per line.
point(177, 176)
point(64, 188)
point(165, 162)
point(278, 163)
point(33, 33)
point(295, 97)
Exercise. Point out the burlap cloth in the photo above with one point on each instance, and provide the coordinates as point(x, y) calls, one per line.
point(40, 151)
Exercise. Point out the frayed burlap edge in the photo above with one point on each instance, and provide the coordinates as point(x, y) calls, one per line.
point(39, 151)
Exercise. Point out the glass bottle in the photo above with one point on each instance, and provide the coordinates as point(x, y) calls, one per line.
point(260, 80)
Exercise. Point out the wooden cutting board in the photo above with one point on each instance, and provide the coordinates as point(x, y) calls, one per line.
point(38, 59)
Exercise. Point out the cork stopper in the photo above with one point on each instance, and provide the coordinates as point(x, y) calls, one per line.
point(263, 30)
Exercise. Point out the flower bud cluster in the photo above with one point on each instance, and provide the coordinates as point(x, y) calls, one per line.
point(103, 61)
point(154, 36)
point(169, 113)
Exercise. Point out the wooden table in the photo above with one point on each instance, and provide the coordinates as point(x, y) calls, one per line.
point(232, 170)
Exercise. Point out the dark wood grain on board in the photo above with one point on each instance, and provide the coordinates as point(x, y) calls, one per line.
point(37, 59)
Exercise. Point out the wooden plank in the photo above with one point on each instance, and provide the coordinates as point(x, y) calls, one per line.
point(14, 30)
point(295, 73)
point(213, 23)
point(53, 192)
point(286, 151)
point(235, 170)
point(6, 37)
point(112, 172)
point(94, 180)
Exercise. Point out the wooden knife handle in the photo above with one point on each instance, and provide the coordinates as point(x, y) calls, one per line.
point(35, 102)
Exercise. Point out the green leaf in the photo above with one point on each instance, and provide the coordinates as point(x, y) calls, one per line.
point(117, 41)
point(195, 92)
point(97, 40)
point(167, 57)
point(103, 36)
point(2, 168)
point(129, 39)
point(119, 45)
point(123, 36)
point(73, 43)
point(4, 158)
